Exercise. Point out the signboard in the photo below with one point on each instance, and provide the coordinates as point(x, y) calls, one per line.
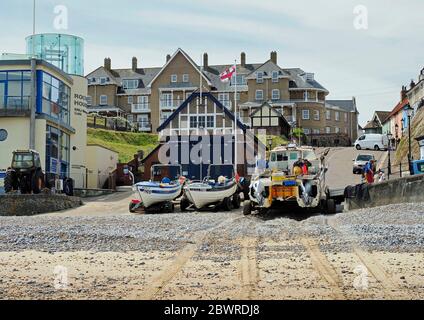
point(2, 176)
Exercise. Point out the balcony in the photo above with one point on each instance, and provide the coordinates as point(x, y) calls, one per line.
point(140, 108)
point(170, 104)
point(15, 109)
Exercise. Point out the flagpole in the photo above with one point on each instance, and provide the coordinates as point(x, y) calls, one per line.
point(235, 118)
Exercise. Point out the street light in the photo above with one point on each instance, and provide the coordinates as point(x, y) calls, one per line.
point(389, 170)
point(409, 112)
point(397, 134)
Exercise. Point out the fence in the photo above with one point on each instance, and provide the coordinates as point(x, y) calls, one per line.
point(397, 171)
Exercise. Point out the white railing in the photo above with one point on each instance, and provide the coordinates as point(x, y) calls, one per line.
point(170, 104)
point(140, 108)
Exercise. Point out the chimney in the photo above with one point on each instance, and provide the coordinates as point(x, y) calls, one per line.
point(168, 57)
point(108, 64)
point(403, 93)
point(134, 64)
point(243, 59)
point(274, 56)
point(205, 60)
point(412, 84)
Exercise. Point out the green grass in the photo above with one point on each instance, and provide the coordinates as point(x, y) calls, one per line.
point(276, 141)
point(127, 144)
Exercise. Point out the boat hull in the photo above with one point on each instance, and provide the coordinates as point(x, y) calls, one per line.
point(203, 195)
point(152, 194)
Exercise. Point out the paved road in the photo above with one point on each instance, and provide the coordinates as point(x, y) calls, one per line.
point(340, 162)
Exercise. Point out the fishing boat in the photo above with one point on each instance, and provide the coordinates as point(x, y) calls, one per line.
point(216, 189)
point(158, 195)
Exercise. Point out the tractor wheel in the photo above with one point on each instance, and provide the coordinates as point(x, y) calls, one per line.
point(184, 204)
point(236, 201)
point(247, 208)
point(9, 184)
point(37, 182)
point(227, 204)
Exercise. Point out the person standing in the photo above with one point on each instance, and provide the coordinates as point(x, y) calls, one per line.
point(369, 171)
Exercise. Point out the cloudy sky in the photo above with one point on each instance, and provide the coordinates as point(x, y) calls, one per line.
point(318, 36)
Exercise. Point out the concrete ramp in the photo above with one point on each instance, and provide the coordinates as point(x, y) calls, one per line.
point(402, 190)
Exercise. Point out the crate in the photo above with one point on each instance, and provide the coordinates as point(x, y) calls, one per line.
point(284, 192)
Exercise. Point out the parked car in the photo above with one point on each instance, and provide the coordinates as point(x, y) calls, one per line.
point(372, 142)
point(360, 161)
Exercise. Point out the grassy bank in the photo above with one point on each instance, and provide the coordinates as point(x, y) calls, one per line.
point(127, 144)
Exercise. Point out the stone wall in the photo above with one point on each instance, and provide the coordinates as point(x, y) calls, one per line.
point(28, 205)
point(402, 190)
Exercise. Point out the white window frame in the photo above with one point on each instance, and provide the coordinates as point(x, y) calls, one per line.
point(224, 98)
point(210, 121)
point(89, 100)
point(130, 99)
point(328, 115)
point(277, 96)
point(345, 117)
point(275, 78)
point(259, 93)
point(103, 80)
point(306, 115)
point(102, 97)
point(316, 131)
point(186, 78)
point(130, 84)
point(327, 130)
point(337, 116)
point(317, 115)
point(260, 77)
point(174, 78)
point(306, 131)
point(337, 130)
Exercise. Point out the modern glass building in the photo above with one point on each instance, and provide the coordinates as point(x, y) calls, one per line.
point(61, 50)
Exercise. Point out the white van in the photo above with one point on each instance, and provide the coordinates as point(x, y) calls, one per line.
point(372, 142)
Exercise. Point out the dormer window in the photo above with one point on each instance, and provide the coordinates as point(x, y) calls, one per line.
point(103, 80)
point(260, 77)
point(130, 84)
point(275, 75)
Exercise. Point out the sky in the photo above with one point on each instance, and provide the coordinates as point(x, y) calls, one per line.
point(371, 62)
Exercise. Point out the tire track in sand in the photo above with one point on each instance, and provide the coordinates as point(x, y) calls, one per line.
point(248, 269)
point(324, 268)
point(181, 259)
point(375, 269)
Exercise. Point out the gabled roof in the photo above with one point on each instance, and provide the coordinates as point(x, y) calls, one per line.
point(346, 105)
point(190, 99)
point(298, 81)
point(382, 115)
point(399, 107)
point(267, 68)
point(278, 113)
point(186, 56)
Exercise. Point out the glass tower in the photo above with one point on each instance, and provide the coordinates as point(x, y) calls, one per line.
point(61, 50)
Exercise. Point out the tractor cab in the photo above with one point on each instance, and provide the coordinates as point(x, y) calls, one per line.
point(26, 160)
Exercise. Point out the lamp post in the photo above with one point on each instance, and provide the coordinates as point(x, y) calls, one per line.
point(397, 135)
point(409, 112)
point(389, 149)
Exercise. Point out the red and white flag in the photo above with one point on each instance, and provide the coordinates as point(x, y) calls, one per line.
point(228, 74)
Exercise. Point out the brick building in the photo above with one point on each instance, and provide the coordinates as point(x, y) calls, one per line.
point(148, 96)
